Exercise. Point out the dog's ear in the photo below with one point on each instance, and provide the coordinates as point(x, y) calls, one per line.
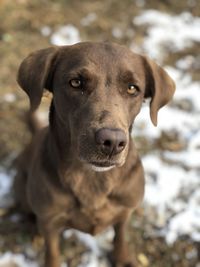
point(35, 74)
point(159, 87)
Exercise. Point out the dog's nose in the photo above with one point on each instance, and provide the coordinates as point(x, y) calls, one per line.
point(111, 141)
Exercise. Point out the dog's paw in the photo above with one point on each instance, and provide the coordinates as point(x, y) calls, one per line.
point(123, 265)
point(126, 263)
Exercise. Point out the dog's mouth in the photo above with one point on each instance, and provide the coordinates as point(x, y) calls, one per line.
point(101, 166)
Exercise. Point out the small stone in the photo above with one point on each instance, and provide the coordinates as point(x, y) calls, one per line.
point(143, 259)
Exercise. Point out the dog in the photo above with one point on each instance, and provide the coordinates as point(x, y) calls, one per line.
point(83, 170)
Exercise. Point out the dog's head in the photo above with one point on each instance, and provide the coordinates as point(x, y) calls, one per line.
point(98, 89)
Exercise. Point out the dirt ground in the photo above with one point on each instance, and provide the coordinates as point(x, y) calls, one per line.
point(21, 22)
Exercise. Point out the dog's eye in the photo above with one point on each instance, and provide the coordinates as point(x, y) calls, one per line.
point(76, 83)
point(132, 89)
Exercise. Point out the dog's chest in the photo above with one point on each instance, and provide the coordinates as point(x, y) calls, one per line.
point(95, 218)
point(96, 210)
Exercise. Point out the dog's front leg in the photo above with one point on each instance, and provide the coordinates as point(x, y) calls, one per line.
point(51, 242)
point(52, 253)
point(120, 254)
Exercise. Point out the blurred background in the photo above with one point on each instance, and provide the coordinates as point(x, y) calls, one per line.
point(165, 231)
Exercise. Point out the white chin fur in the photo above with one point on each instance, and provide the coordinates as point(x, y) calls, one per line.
point(101, 169)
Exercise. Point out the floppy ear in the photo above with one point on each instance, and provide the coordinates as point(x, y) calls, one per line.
point(159, 86)
point(35, 73)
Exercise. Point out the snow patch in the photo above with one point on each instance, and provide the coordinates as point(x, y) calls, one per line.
point(168, 32)
point(65, 35)
point(6, 181)
point(16, 260)
point(89, 19)
point(97, 246)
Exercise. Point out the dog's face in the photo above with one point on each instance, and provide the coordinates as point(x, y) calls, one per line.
point(98, 89)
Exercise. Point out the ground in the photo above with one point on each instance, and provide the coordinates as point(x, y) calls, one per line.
point(29, 25)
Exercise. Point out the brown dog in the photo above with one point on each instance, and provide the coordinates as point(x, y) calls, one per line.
point(83, 170)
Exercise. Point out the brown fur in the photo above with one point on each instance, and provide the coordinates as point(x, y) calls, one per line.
point(55, 178)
